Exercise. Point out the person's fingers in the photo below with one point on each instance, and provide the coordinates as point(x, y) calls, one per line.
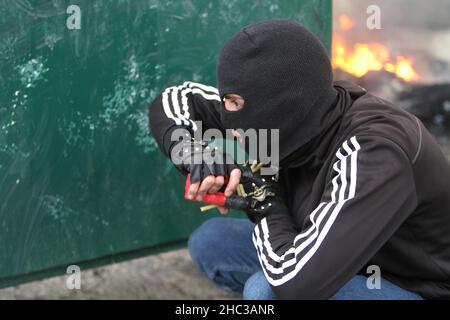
point(218, 183)
point(206, 184)
point(235, 177)
point(223, 210)
point(193, 189)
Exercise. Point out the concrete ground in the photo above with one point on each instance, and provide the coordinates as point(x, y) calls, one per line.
point(169, 275)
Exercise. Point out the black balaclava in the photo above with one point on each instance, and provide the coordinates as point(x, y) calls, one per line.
point(284, 74)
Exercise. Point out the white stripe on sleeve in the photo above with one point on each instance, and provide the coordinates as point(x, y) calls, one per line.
point(172, 97)
point(279, 269)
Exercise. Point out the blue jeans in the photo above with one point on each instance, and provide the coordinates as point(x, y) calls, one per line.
point(223, 251)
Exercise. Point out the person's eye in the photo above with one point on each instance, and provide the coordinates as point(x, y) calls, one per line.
point(236, 104)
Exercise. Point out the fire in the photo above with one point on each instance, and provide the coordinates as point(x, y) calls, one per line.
point(403, 69)
point(345, 23)
point(361, 58)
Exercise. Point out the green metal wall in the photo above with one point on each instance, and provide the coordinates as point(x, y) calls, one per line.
point(81, 180)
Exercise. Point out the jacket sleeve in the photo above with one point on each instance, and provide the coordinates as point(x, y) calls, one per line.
point(369, 194)
point(181, 107)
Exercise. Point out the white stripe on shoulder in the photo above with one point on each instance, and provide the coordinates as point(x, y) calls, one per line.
point(176, 105)
point(166, 107)
point(172, 97)
point(184, 103)
point(201, 86)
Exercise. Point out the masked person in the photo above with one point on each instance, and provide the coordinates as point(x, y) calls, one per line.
point(366, 187)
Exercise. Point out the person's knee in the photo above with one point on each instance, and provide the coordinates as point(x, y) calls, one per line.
point(358, 289)
point(220, 250)
point(258, 288)
point(205, 240)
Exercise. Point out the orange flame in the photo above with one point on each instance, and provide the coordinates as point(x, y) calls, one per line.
point(364, 57)
point(403, 69)
point(345, 23)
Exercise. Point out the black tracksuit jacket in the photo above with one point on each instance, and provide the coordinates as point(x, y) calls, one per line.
point(372, 189)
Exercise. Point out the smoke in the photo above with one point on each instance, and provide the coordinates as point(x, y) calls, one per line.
point(404, 14)
point(415, 28)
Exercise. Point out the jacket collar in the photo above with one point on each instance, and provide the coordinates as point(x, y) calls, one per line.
point(313, 154)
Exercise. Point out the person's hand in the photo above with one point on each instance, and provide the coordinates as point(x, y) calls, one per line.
point(233, 182)
point(269, 200)
point(208, 167)
point(213, 184)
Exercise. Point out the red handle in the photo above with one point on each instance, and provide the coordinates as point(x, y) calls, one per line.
point(217, 198)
